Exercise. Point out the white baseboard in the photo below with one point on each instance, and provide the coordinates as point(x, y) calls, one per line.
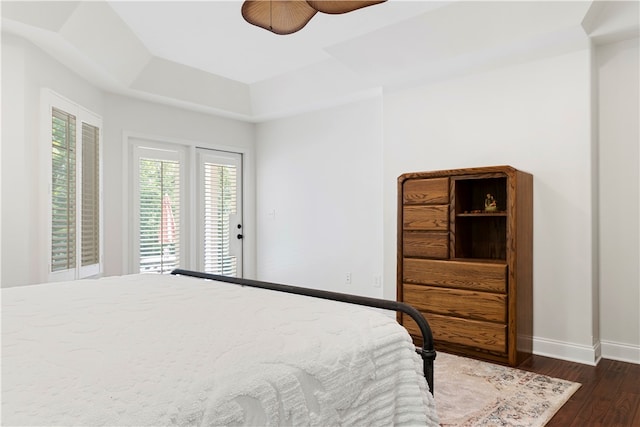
point(589, 355)
point(622, 352)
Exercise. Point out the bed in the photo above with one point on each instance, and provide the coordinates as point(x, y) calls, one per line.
point(180, 350)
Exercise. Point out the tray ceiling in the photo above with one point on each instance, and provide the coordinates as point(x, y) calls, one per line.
point(202, 55)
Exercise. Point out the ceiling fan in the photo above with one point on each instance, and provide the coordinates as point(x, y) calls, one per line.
point(289, 16)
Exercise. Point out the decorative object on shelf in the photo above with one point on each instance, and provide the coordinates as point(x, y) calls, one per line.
point(288, 16)
point(490, 203)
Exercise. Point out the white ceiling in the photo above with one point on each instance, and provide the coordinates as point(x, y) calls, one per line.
point(202, 55)
point(212, 35)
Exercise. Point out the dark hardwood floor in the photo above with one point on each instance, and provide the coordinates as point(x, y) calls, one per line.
point(609, 396)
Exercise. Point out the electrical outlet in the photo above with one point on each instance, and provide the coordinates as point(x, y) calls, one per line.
point(347, 278)
point(377, 281)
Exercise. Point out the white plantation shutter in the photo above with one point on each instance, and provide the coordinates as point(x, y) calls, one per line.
point(90, 252)
point(158, 212)
point(75, 189)
point(220, 214)
point(63, 191)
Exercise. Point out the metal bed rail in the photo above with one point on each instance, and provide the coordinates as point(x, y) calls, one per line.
point(427, 351)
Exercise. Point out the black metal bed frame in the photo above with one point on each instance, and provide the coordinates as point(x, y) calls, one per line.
point(427, 351)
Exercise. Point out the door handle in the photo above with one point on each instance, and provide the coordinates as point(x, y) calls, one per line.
point(239, 236)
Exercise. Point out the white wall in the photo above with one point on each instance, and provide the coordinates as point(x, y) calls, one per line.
point(319, 205)
point(535, 117)
point(25, 70)
point(126, 116)
point(619, 136)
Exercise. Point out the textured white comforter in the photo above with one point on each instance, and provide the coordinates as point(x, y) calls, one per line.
point(167, 350)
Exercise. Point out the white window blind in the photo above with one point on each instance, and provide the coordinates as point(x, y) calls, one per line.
point(220, 195)
point(158, 215)
point(63, 191)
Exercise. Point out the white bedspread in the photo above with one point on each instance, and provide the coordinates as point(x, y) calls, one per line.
point(167, 350)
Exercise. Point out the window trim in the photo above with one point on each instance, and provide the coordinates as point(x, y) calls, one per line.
point(50, 100)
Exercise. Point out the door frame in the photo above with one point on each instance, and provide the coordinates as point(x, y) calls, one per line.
point(248, 200)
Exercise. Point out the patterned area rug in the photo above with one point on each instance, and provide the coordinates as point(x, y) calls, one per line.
point(469, 392)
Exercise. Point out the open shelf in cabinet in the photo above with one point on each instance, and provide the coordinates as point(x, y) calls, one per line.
point(481, 237)
point(478, 233)
point(471, 192)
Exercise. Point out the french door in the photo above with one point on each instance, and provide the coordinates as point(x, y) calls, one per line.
point(159, 208)
point(219, 233)
point(187, 210)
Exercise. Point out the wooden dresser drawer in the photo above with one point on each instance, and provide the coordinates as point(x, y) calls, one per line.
point(472, 333)
point(425, 244)
point(426, 217)
point(457, 302)
point(433, 191)
point(456, 274)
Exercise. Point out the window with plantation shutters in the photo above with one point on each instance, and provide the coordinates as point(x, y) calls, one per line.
point(220, 222)
point(63, 190)
point(75, 189)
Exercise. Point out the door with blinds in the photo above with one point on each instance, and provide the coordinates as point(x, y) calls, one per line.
point(219, 232)
point(187, 209)
point(158, 195)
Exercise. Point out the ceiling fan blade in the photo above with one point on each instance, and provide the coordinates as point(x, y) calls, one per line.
point(278, 16)
point(337, 6)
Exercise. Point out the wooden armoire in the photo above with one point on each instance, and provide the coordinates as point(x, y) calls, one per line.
point(465, 255)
